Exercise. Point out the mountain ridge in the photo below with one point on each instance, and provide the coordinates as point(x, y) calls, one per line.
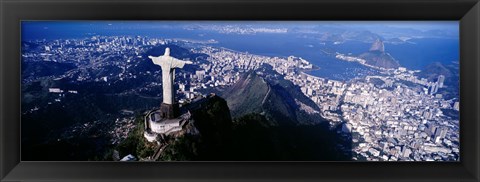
point(278, 101)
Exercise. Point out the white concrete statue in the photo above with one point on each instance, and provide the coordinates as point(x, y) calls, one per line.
point(168, 65)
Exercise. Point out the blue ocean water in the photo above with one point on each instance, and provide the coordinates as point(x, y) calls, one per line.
point(414, 55)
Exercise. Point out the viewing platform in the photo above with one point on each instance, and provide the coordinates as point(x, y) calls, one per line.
point(155, 125)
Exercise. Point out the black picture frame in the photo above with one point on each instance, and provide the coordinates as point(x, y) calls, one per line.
point(466, 11)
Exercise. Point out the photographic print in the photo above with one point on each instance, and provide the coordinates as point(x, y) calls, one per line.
point(240, 91)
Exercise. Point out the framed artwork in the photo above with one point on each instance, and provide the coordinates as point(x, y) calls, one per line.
point(240, 90)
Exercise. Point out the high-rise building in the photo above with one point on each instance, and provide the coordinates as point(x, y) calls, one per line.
point(431, 128)
point(440, 81)
point(440, 134)
point(433, 88)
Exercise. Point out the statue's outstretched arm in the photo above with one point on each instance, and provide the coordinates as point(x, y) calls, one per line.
point(176, 63)
point(158, 61)
point(154, 59)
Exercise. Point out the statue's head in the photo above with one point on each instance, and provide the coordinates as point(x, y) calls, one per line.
point(167, 52)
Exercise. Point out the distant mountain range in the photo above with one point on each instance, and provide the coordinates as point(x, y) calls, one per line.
point(342, 36)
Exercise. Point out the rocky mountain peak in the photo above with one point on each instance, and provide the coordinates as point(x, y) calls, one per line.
point(378, 46)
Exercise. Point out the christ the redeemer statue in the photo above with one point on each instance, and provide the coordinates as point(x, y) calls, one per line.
point(168, 64)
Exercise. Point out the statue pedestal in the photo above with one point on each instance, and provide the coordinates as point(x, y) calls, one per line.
point(169, 111)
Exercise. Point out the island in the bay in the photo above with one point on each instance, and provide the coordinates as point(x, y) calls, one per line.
point(240, 91)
